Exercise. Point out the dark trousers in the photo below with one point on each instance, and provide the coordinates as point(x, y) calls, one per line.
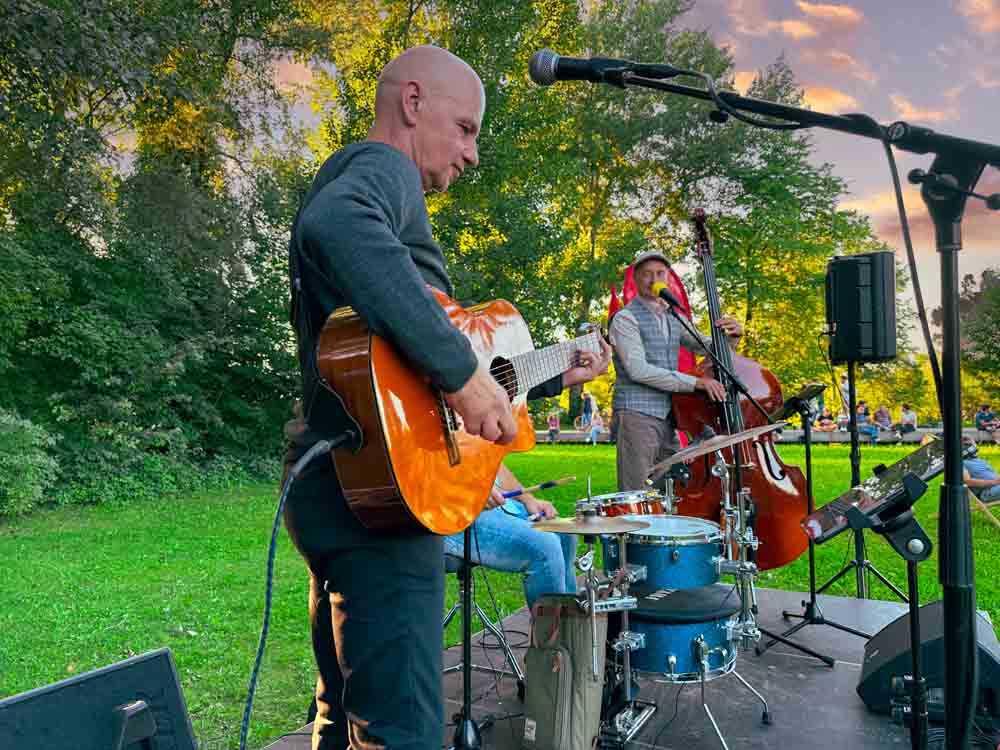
point(375, 603)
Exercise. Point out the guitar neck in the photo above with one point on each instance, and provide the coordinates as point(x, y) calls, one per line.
point(535, 367)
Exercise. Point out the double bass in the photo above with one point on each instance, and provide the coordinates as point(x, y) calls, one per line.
point(777, 491)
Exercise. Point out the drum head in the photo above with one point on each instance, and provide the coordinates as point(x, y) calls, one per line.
point(675, 530)
point(673, 607)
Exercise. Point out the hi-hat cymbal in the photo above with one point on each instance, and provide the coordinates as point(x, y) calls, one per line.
point(711, 445)
point(590, 524)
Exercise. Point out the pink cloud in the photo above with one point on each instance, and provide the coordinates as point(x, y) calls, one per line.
point(826, 99)
point(750, 17)
point(840, 61)
point(794, 29)
point(986, 78)
point(743, 79)
point(983, 15)
point(906, 110)
point(843, 15)
point(978, 225)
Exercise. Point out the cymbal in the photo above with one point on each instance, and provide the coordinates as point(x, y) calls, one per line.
point(713, 444)
point(590, 524)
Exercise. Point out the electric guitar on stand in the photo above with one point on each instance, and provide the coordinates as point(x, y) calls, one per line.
point(417, 468)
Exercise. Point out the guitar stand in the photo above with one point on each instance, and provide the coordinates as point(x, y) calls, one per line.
point(812, 614)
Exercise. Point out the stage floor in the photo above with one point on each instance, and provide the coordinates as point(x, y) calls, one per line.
point(812, 705)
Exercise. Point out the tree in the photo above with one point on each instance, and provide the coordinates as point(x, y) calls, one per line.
point(777, 225)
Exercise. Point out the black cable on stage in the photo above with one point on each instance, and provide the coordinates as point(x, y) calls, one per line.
point(322, 447)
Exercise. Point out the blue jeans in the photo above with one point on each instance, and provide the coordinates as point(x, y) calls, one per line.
point(870, 430)
point(510, 544)
point(990, 494)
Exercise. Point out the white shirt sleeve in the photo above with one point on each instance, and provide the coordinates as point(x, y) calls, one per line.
point(627, 342)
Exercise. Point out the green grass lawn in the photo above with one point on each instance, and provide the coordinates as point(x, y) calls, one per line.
point(85, 587)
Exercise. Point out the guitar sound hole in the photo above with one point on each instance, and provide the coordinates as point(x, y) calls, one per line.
point(502, 371)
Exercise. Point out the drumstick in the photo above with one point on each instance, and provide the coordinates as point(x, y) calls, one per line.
point(535, 487)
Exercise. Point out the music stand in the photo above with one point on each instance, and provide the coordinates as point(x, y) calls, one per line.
point(812, 614)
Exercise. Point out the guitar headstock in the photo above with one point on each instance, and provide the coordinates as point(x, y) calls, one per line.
point(703, 238)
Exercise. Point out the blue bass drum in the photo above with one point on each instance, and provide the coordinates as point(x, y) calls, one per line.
point(678, 551)
point(687, 633)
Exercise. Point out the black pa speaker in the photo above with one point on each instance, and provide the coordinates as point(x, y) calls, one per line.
point(861, 307)
point(887, 655)
point(136, 704)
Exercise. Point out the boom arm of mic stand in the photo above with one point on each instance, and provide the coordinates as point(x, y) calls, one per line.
point(715, 361)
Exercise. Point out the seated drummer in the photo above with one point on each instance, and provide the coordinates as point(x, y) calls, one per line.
point(503, 538)
point(646, 339)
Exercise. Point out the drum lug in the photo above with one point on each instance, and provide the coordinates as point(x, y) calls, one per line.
point(675, 555)
point(585, 562)
point(629, 640)
point(672, 664)
point(636, 573)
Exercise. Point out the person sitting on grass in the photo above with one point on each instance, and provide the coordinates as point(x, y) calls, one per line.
point(980, 476)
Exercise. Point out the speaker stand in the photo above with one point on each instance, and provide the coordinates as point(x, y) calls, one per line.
point(812, 615)
point(900, 528)
point(861, 565)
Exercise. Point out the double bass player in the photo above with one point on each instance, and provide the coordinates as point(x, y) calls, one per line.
point(645, 340)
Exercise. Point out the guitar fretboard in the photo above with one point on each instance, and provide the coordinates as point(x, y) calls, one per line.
point(535, 367)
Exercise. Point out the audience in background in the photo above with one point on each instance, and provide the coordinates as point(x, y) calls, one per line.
point(986, 421)
point(553, 426)
point(865, 425)
point(826, 422)
point(979, 476)
point(883, 418)
point(596, 427)
point(907, 421)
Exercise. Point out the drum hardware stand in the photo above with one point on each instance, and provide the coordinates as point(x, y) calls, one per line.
point(812, 615)
point(860, 564)
point(900, 528)
point(622, 726)
point(467, 731)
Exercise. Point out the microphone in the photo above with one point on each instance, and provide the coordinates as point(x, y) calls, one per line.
point(660, 289)
point(547, 67)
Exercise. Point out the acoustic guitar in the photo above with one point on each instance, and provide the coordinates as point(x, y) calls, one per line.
point(416, 467)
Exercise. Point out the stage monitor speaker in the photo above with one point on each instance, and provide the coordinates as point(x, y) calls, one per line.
point(887, 655)
point(136, 704)
point(861, 307)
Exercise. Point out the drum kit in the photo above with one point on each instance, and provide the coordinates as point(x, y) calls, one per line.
point(677, 622)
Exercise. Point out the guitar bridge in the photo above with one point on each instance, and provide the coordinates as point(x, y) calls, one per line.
point(449, 425)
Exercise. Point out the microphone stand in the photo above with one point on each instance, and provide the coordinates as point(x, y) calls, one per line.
point(860, 564)
point(958, 164)
point(812, 614)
